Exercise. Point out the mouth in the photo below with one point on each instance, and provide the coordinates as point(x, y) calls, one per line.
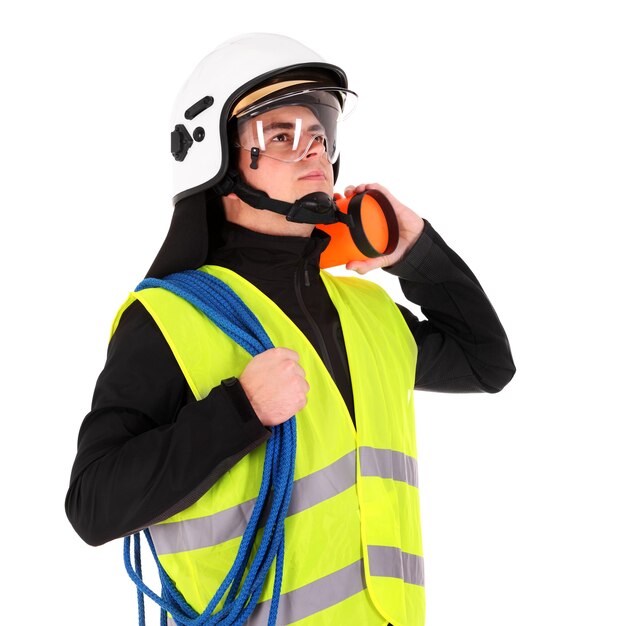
point(313, 175)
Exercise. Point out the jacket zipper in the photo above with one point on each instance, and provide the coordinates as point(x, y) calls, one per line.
point(318, 334)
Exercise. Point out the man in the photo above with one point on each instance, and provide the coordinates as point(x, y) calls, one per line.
point(174, 441)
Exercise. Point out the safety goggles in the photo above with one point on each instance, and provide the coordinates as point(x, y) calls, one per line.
point(288, 127)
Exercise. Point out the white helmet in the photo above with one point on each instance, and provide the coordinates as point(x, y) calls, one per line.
point(242, 71)
point(238, 67)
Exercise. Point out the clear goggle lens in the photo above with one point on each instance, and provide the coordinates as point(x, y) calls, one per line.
point(288, 128)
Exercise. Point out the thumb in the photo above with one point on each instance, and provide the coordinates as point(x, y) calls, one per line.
point(362, 267)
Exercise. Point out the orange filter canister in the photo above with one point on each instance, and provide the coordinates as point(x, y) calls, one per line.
point(374, 231)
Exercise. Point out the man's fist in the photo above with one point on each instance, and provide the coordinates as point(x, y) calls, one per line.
point(275, 385)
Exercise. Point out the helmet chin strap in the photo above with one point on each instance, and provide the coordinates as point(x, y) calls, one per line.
point(314, 208)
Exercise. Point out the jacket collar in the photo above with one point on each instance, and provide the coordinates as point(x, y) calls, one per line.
point(272, 257)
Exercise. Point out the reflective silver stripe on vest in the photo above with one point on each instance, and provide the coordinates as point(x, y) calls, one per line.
point(388, 464)
point(312, 598)
point(212, 530)
point(202, 532)
point(394, 563)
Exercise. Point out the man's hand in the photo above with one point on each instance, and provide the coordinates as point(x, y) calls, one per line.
point(275, 385)
point(410, 226)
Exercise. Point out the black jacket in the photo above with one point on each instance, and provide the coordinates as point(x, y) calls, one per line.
point(148, 449)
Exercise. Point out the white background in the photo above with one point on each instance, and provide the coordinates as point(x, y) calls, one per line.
point(501, 122)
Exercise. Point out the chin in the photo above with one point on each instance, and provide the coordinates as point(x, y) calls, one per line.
point(308, 186)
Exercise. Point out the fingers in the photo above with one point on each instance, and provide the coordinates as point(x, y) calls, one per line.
point(285, 353)
point(362, 267)
point(275, 384)
point(351, 190)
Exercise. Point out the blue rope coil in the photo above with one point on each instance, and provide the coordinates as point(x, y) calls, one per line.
point(229, 313)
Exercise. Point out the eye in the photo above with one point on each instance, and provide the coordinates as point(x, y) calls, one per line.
point(281, 138)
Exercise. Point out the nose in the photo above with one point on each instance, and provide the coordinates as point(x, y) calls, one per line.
point(317, 147)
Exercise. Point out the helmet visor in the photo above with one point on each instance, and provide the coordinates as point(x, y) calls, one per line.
point(288, 127)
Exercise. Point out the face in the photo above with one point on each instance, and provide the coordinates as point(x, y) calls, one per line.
point(287, 181)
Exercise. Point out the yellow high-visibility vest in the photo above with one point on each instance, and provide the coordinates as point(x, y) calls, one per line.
point(353, 548)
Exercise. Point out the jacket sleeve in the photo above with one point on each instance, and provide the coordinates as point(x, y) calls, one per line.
point(148, 449)
point(462, 346)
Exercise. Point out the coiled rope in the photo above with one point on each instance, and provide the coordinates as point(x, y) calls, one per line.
point(224, 307)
